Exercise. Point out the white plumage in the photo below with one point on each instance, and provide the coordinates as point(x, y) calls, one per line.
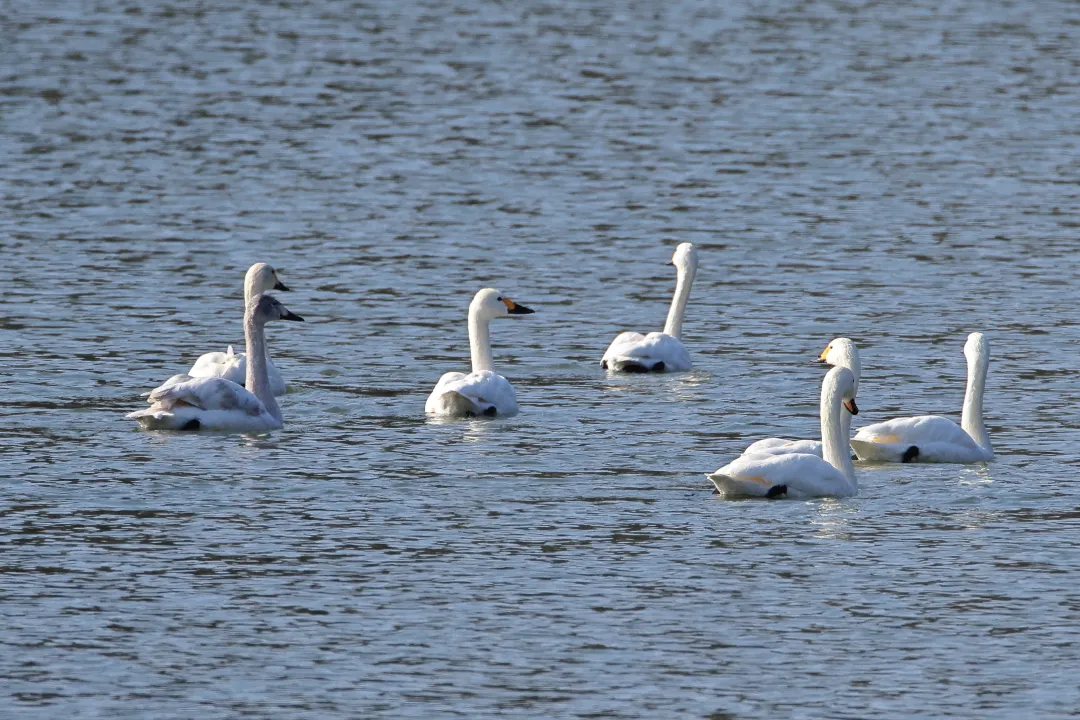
point(841, 352)
point(658, 351)
point(931, 438)
point(801, 475)
point(482, 391)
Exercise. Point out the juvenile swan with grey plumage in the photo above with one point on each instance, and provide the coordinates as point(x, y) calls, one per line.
point(659, 352)
point(482, 391)
point(260, 278)
point(213, 403)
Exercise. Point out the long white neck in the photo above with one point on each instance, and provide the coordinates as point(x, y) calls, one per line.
point(480, 342)
point(673, 326)
point(972, 419)
point(257, 382)
point(835, 443)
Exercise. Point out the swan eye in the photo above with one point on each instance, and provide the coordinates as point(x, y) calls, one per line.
point(499, 299)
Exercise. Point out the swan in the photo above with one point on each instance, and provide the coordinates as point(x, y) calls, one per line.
point(801, 475)
point(213, 403)
point(260, 278)
point(840, 352)
point(932, 438)
point(658, 352)
point(482, 391)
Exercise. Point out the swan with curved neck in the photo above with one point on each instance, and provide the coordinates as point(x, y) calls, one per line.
point(932, 438)
point(212, 403)
point(659, 352)
point(801, 475)
point(840, 352)
point(482, 391)
point(260, 278)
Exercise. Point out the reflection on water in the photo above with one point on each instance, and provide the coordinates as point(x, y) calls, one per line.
point(901, 174)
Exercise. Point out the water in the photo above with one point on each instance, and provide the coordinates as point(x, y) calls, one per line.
point(901, 174)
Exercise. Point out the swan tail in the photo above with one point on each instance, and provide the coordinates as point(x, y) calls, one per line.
point(452, 402)
point(734, 487)
point(634, 365)
point(883, 452)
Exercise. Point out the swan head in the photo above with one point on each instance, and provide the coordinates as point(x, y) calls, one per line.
point(262, 278)
point(685, 257)
point(264, 308)
point(841, 352)
point(840, 381)
point(489, 303)
point(977, 348)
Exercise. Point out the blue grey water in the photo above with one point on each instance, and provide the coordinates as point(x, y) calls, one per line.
point(899, 173)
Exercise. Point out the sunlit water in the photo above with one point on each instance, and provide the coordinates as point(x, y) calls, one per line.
point(902, 174)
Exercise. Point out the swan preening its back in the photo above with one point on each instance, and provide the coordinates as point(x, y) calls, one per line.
point(802, 475)
point(482, 391)
point(260, 278)
point(659, 352)
point(931, 438)
point(213, 403)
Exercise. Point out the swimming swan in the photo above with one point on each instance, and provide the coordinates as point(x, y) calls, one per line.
point(212, 403)
point(801, 475)
point(658, 352)
point(932, 438)
point(841, 352)
point(483, 391)
point(260, 278)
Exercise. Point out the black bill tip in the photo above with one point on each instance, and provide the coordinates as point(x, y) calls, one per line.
point(278, 285)
point(520, 310)
point(290, 315)
point(851, 406)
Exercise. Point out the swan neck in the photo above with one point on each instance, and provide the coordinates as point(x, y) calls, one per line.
point(835, 444)
point(257, 381)
point(972, 418)
point(673, 326)
point(480, 342)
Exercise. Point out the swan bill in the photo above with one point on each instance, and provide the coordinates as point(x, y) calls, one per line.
point(910, 454)
point(290, 315)
point(514, 308)
point(851, 406)
point(824, 354)
point(278, 285)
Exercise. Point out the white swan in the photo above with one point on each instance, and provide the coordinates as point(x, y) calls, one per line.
point(260, 278)
point(658, 352)
point(187, 403)
point(801, 475)
point(932, 438)
point(841, 352)
point(483, 391)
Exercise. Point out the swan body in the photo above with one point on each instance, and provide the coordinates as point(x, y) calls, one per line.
point(260, 278)
point(212, 403)
point(659, 351)
point(482, 391)
point(801, 475)
point(931, 438)
point(477, 393)
point(232, 366)
point(841, 352)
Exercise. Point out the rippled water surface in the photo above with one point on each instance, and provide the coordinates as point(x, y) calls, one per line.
point(901, 174)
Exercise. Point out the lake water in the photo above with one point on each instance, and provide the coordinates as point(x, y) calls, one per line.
point(902, 174)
